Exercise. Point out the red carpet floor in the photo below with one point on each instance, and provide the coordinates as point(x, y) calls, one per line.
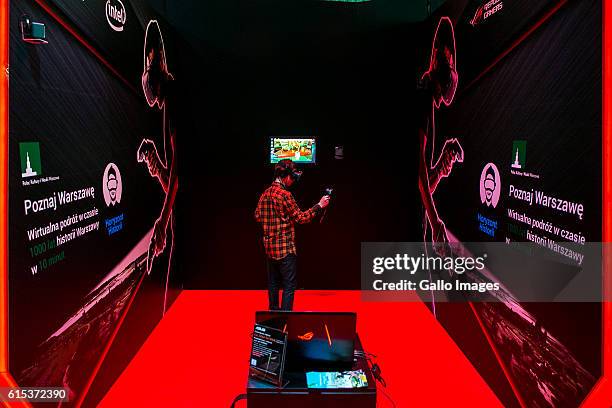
point(188, 353)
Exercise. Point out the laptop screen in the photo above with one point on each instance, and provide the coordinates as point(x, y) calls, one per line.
point(316, 340)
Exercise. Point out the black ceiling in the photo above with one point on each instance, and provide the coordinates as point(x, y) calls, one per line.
point(230, 24)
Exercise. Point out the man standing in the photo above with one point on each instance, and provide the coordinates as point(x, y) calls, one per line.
point(277, 212)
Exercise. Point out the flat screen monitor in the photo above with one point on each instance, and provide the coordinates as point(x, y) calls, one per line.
point(297, 149)
point(315, 340)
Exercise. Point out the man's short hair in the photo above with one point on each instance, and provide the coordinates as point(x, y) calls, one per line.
point(284, 168)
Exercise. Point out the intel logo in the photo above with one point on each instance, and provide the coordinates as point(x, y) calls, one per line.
point(115, 14)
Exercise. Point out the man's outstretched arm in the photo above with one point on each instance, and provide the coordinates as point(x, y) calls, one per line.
point(292, 210)
point(296, 215)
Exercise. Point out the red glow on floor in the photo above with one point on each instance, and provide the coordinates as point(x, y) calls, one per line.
point(190, 361)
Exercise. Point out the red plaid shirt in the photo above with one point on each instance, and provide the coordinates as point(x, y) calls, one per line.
point(277, 212)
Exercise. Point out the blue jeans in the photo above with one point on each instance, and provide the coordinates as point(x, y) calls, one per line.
point(282, 274)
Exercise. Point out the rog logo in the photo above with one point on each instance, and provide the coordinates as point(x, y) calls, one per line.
point(309, 335)
point(477, 19)
point(485, 11)
point(306, 336)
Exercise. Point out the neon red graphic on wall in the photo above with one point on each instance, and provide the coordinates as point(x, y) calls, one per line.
point(159, 91)
point(439, 83)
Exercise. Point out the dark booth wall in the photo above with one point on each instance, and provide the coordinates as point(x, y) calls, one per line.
point(81, 300)
point(546, 94)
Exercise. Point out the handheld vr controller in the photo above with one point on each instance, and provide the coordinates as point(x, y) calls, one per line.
point(328, 191)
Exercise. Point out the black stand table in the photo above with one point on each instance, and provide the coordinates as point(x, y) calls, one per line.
point(296, 394)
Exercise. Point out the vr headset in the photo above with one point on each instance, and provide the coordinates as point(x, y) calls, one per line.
point(295, 175)
point(286, 170)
